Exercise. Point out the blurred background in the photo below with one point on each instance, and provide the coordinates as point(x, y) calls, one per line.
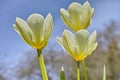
point(18, 61)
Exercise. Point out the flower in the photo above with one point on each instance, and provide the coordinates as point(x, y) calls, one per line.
point(78, 45)
point(77, 16)
point(36, 30)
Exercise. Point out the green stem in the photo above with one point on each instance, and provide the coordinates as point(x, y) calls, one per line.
point(84, 70)
point(78, 70)
point(42, 65)
point(104, 73)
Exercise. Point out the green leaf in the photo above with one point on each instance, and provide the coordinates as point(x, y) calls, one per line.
point(62, 74)
point(104, 73)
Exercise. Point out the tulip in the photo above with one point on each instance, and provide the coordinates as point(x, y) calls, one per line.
point(77, 16)
point(36, 30)
point(78, 45)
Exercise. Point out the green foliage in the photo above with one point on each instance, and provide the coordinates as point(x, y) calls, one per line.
point(62, 74)
point(104, 73)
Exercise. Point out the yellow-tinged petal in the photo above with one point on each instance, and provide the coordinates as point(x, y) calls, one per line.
point(65, 47)
point(23, 29)
point(48, 24)
point(36, 22)
point(43, 44)
point(86, 15)
point(75, 10)
point(92, 39)
point(92, 42)
point(87, 4)
point(82, 40)
point(16, 29)
point(90, 50)
point(65, 17)
point(59, 40)
point(92, 12)
point(95, 46)
point(68, 42)
point(80, 57)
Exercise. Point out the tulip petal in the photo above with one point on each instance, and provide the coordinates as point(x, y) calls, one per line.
point(48, 24)
point(82, 37)
point(43, 44)
point(91, 49)
point(92, 39)
point(59, 40)
point(95, 46)
point(86, 15)
point(68, 42)
point(65, 17)
point(75, 9)
point(92, 42)
point(92, 12)
point(35, 22)
point(22, 28)
point(16, 29)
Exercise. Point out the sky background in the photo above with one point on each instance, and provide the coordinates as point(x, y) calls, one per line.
point(11, 43)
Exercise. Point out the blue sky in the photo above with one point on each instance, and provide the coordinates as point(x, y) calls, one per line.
point(10, 41)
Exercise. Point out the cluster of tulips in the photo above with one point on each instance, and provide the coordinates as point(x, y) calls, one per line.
point(78, 44)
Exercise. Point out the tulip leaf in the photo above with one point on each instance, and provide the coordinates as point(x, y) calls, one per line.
point(62, 74)
point(104, 73)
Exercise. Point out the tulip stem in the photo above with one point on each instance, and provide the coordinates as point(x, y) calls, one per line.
point(78, 70)
point(84, 70)
point(42, 65)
